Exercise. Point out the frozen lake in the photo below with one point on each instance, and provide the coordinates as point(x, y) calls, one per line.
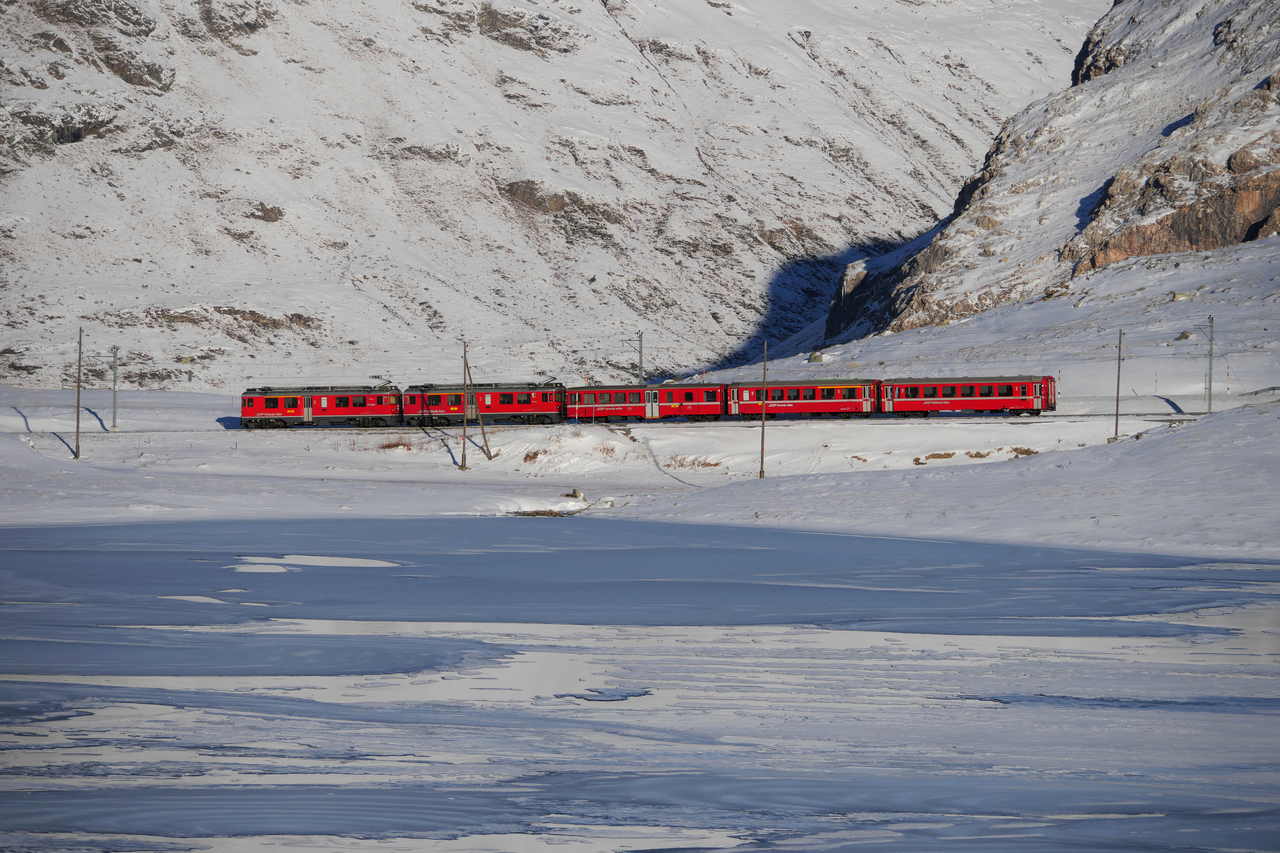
point(520, 683)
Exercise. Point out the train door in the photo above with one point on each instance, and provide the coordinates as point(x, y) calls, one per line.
point(471, 412)
point(888, 398)
point(306, 410)
point(651, 404)
point(1037, 402)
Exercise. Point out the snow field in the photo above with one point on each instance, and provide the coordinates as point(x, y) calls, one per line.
point(876, 474)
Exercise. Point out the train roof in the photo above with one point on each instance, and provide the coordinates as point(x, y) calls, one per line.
point(318, 389)
point(962, 380)
point(806, 380)
point(456, 388)
point(623, 386)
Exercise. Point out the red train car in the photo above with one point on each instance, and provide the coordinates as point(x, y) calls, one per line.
point(813, 397)
point(1005, 394)
point(519, 402)
point(611, 403)
point(320, 405)
point(700, 402)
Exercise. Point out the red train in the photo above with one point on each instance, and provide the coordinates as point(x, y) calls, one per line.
point(528, 403)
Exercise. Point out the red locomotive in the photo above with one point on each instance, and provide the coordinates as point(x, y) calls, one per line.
point(528, 403)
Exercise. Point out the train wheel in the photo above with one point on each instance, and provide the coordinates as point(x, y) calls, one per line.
point(545, 420)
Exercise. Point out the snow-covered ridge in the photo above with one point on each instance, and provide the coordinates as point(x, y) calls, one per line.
point(251, 189)
point(1169, 142)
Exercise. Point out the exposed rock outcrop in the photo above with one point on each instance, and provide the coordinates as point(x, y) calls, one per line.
point(1239, 213)
point(1165, 143)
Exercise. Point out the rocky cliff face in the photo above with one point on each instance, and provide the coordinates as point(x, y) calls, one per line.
point(1168, 141)
point(542, 177)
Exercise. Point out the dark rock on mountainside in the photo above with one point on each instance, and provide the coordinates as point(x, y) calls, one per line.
point(1110, 169)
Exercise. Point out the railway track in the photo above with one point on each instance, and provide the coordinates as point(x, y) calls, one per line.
point(778, 423)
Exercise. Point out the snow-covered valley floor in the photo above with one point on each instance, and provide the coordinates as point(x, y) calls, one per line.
point(975, 634)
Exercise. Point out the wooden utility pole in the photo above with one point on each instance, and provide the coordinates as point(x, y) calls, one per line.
point(79, 373)
point(466, 391)
point(1119, 347)
point(764, 397)
point(1209, 383)
point(466, 366)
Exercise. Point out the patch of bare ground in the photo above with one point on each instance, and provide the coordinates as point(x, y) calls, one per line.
point(679, 461)
point(918, 460)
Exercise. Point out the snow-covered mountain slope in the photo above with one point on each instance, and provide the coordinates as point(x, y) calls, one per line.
point(1169, 142)
point(257, 190)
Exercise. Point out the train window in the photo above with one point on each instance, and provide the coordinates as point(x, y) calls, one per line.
point(1006, 390)
point(524, 399)
point(589, 399)
point(395, 399)
point(688, 396)
point(413, 399)
point(671, 397)
point(291, 402)
point(488, 399)
point(432, 399)
point(1036, 388)
point(930, 391)
point(455, 399)
point(635, 397)
point(710, 396)
point(851, 393)
point(807, 394)
point(357, 402)
point(342, 402)
point(829, 393)
point(777, 393)
point(246, 403)
point(573, 399)
point(324, 402)
point(503, 399)
point(948, 390)
point(606, 398)
point(1024, 390)
point(966, 390)
point(272, 403)
point(986, 390)
point(911, 393)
